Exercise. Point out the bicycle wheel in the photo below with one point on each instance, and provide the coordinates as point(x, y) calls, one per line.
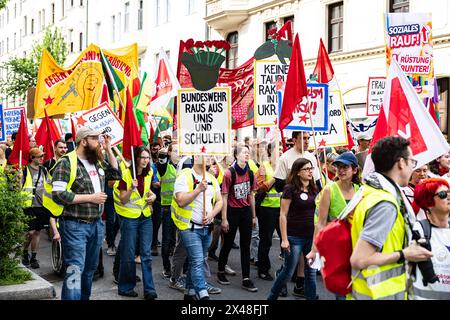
point(57, 257)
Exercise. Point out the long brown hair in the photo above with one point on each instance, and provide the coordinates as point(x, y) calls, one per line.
point(137, 154)
point(294, 180)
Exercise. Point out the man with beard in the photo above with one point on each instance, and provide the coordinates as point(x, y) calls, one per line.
point(78, 186)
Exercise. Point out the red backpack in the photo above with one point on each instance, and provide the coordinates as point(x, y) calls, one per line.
point(334, 244)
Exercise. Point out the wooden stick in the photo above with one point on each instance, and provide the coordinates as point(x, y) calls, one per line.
point(314, 137)
point(20, 158)
point(117, 151)
point(204, 192)
point(326, 169)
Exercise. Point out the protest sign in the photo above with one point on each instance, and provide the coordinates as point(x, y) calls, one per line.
point(318, 103)
point(102, 118)
point(10, 121)
point(375, 93)
point(409, 41)
point(337, 133)
point(267, 73)
point(204, 121)
point(2, 125)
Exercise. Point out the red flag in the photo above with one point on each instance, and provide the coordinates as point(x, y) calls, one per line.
point(46, 136)
point(324, 69)
point(131, 135)
point(73, 128)
point(136, 87)
point(22, 143)
point(295, 88)
point(351, 143)
point(403, 114)
point(105, 95)
point(286, 31)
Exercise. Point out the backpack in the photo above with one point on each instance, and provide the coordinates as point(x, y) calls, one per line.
point(334, 243)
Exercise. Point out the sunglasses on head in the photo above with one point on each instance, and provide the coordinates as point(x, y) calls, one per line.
point(442, 194)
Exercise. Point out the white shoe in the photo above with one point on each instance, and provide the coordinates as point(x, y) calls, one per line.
point(229, 271)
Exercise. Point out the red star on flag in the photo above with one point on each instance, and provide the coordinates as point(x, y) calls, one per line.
point(81, 122)
point(303, 118)
point(48, 100)
point(203, 149)
point(322, 143)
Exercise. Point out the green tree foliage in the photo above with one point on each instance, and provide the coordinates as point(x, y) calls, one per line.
point(3, 4)
point(21, 73)
point(13, 228)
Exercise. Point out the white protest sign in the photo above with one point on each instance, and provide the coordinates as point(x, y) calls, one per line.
point(375, 93)
point(204, 121)
point(317, 102)
point(102, 118)
point(337, 134)
point(11, 121)
point(267, 73)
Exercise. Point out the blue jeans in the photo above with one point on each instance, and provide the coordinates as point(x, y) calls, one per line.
point(129, 231)
point(81, 243)
point(196, 243)
point(297, 245)
point(168, 236)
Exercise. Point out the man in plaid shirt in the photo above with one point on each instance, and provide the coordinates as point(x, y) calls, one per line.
point(80, 224)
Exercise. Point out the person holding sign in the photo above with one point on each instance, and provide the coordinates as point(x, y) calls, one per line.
point(238, 211)
point(188, 207)
point(134, 205)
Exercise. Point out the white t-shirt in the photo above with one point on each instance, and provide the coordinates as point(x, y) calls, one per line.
point(288, 158)
point(440, 246)
point(93, 173)
point(197, 212)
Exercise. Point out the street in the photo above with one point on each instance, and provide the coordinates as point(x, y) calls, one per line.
point(105, 289)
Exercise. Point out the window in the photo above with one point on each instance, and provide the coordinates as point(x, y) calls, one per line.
point(167, 11)
point(113, 28)
point(71, 3)
point(97, 32)
point(232, 54)
point(141, 14)
point(398, 5)
point(53, 13)
point(25, 25)
point(270, 25)
point(191, 6)
point(43, 18)
point(158, 12)
point(15, 41)
point(119, 24)
point(444, 102)
point(20, 37)
point(7, 15)
point(39, 21)
point(81, 41)
point(81, 3)
point(335, 26)
point(291, 19)
point(71, 40)
point(63, 9)
point(7, 45)
point(15, 10)
point(32, 26)
point(126, 17)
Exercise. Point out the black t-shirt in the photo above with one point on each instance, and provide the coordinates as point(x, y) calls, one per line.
point(300, 217)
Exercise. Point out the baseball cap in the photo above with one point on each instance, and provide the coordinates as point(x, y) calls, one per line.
point(347, 158)
point(85, 132)
point(364, 136)
point(35, 152)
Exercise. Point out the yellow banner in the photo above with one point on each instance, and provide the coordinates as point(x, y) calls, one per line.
point(79, 87)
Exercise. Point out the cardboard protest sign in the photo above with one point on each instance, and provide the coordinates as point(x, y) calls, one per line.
point(2, 125)
point(102, 118)
point(267, 73)
point(318, 103)
point(10, 121)
point(337, 133)
point(204, 122)
point(375, 93)
point(409, 41)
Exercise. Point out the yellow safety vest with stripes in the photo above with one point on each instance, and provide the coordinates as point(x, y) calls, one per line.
point(27, 189)
point(167, 185)
point(182, 216)
point(272, 199)
point(47, 199)
point(252, 165)
point(386, 282)
point(136, 205)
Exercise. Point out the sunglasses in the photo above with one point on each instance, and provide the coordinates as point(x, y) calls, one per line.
point(442, 194)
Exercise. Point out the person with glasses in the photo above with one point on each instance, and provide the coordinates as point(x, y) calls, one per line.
point(432, 195)
point(133, 201)
point(297, 226)
point(33, 177)
point(378, 226)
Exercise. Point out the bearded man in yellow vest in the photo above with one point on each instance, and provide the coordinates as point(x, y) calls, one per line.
point(195, 231)
point(379, 225)
point(78, 184)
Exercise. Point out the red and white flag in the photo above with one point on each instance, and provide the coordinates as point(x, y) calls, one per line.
point(404, 114)
point(166, 83)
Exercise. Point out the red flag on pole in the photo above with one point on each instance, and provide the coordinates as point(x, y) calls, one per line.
point(286, 31)
point(131, 134)
point(324, 69)
point(73, 128)
point(295, 88)
point(46, 137)
point(22, 143)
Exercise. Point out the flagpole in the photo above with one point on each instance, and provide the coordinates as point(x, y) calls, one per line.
point(314, 137)
point(133, 164)
point(20, 158)
point(120, 155)
point(204, 192)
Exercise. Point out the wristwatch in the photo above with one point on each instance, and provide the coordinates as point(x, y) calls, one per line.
point(402, 256)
